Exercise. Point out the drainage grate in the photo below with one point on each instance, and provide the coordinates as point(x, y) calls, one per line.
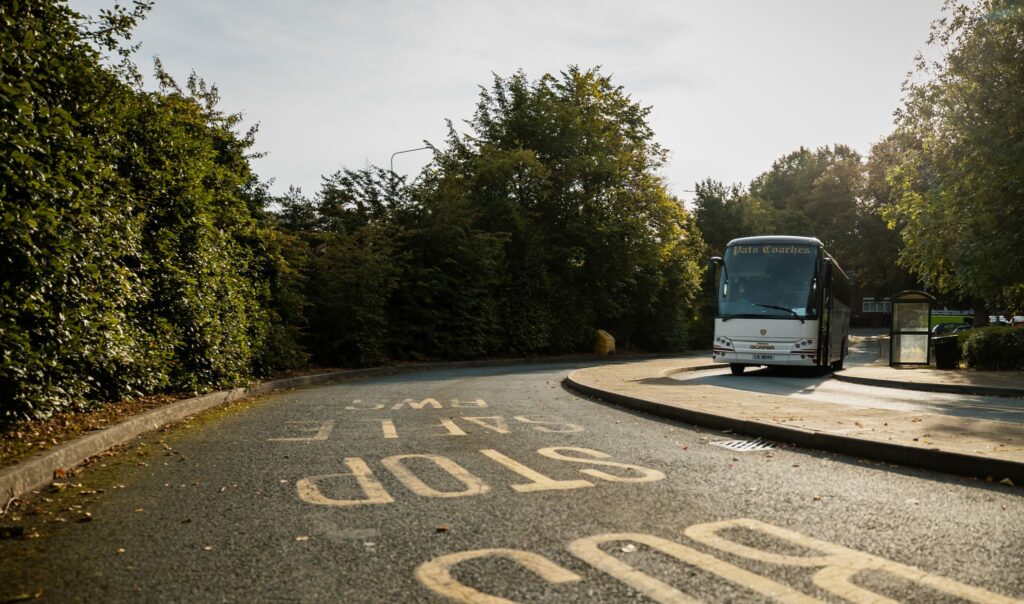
point(745, 446)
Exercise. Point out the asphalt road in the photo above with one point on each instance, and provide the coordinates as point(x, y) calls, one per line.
point(458, 484)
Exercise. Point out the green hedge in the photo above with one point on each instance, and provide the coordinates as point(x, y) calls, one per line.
point(996, 348)
point(135, 251)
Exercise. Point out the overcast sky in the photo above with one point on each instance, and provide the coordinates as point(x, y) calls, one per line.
point(733, 84)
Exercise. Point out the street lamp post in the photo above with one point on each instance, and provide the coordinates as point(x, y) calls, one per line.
point(405, 151)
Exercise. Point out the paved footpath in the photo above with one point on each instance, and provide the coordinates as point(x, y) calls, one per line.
point(982, 448)
point(965, 381)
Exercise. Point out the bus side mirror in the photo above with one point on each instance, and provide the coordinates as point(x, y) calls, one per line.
point(826, 270)
point(715, 260)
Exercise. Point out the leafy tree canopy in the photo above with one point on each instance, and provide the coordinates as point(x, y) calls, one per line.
point(959, 173)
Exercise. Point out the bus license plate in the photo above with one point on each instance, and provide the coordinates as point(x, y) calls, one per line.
point(763, 357)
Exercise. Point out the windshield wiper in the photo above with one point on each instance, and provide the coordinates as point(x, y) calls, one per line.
point(789, 310)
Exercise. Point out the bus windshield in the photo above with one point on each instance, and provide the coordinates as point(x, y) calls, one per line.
point(769, 280)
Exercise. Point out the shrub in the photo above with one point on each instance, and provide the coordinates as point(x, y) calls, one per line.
point(994, 348)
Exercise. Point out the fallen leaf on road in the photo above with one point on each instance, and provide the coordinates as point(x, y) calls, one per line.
point(207, 548)
point(442, 529)
point(120, 550)
point(817, 497)
point(302, 538)
point(186, 521)
point(59, 473)
point(1007, 482)
point(86, 517)
point(138, 510)
point(629, 548)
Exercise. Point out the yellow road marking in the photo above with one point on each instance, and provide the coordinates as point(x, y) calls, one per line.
point(322, 432)
point(568, 429)
point(358, 405)
point(646, 474)
point(474, 486)
point(436, 575)
point(838, 564)
point(310, 493)
point(499, 424)
point(588, 549)
point(388, 427)
point(475, 404)
point(539, 482)
point(452, 428)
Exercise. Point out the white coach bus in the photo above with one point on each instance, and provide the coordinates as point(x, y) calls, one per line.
point(781, 300)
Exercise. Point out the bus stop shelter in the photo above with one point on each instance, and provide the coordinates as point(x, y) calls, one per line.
point(909, 330)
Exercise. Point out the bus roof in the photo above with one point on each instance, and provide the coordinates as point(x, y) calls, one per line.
point(776, 239)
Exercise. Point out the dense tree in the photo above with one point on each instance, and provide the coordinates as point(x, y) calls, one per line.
point(961, 178)
point(879, 246)
point(725, 213)
point(815, 193)
point(564, 167)
point(829, 193)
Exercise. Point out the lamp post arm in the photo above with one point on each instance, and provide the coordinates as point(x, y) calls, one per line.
point(405, 151)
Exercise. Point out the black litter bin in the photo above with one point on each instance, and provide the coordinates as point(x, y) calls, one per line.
point(947, 352)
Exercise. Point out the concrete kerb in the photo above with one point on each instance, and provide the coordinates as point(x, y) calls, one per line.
point(39, 469)
point(931, 386)
point(929, 459)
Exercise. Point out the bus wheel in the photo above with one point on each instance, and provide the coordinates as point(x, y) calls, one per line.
point(736, 368)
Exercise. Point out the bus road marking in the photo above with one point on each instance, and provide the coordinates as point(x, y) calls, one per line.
point(837, 566)
point(436, 575)
point(588, 549)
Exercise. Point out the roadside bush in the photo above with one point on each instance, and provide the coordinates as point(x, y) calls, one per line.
point(994, 348)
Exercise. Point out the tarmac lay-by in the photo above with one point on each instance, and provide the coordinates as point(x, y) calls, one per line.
point(902, 434)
